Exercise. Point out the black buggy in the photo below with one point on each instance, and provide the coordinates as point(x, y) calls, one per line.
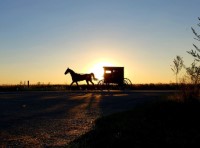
point(114, 79)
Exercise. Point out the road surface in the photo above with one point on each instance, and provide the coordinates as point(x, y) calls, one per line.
point(53, 119)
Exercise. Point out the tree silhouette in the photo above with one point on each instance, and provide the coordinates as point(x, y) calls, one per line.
point(190, 91)
point(194, 70)
point(176, 68)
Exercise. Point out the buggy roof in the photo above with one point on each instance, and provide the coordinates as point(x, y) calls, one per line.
point(112, 68)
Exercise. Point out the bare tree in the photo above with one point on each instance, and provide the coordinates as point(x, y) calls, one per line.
point(176, 68)
point(190, 89)
point(194, 70)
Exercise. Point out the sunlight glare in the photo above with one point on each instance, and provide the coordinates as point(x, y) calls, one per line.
point(98, 70)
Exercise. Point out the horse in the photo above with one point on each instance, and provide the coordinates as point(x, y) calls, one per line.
point(80, 77)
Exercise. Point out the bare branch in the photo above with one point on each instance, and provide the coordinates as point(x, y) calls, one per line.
point(195, 33)
point(196, 47)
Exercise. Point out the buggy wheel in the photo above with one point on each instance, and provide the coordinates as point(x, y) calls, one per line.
point(127, 84)
point(101, 85)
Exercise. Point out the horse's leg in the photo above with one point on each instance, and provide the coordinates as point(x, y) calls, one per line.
point(92, 83)
point(87, 84)
point(77, 84)
point(71, 85)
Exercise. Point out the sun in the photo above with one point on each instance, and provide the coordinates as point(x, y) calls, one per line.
point(98, 70)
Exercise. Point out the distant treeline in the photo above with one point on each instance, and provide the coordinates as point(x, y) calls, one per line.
point(59, 87)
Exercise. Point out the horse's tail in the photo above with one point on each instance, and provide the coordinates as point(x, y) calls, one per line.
point(94, 77)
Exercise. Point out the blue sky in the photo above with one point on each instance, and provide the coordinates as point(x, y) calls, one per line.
point(39, 39)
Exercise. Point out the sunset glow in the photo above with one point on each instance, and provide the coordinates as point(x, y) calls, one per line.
point(98, 70)
point(40, 39)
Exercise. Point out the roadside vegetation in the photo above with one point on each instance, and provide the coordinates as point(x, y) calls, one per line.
point(59, 87)
point(189, 83)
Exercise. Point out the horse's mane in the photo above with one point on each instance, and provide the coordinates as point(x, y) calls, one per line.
point(72, 71)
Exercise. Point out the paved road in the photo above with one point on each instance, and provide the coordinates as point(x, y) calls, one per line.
point(40, 119)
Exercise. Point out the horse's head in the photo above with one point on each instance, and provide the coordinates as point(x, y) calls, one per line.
point(67, 71)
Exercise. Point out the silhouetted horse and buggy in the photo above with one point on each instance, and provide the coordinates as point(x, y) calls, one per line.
point(113, 79)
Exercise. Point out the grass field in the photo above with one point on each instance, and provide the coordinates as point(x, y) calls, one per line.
point(61, 87)
point(162, 124)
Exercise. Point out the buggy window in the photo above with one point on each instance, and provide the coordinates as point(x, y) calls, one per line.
point(108, 71)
